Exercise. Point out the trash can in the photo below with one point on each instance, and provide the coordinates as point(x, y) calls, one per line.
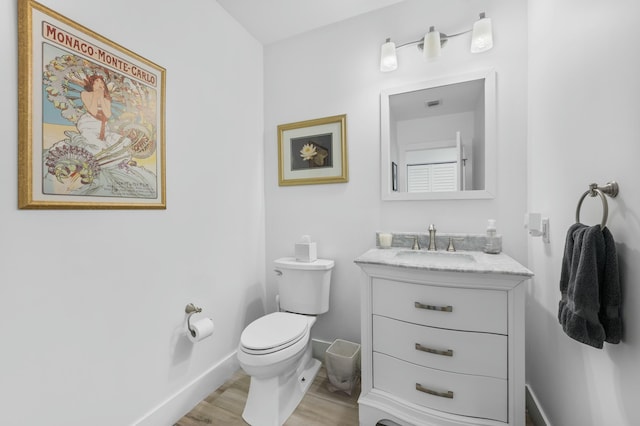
point(341, 361)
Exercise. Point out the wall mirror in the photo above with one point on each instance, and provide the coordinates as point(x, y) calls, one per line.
point(438, 139)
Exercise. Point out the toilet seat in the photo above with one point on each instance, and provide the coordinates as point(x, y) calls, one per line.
point(273, 332)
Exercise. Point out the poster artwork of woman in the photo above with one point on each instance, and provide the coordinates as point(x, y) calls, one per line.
point(101, 155)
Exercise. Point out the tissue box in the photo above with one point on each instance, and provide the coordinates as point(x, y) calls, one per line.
point(306, 252)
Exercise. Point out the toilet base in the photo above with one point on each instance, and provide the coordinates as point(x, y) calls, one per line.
point(271, 401)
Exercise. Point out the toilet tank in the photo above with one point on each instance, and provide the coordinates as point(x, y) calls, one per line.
point(304, 286)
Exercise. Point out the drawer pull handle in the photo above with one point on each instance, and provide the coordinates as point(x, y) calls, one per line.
point(448, 394)
point(433, 307)
point(448, 352)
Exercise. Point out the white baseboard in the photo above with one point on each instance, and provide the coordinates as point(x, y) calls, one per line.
point(176, 406)
point(534, 409)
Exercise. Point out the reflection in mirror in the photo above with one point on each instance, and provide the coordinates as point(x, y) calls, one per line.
point(438, 139)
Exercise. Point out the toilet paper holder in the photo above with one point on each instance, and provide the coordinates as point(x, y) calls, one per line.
point(191, 309)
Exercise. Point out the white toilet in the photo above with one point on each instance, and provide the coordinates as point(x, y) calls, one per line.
point(275, 350)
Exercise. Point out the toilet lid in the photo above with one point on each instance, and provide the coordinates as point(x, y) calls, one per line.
point(276, 330)
point(292, 263)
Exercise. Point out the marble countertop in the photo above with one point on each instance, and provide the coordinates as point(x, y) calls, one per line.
point(459, 261)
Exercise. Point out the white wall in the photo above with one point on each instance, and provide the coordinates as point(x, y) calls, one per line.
point(335, 70)
point(436, 129)
point(92, 302)
point(584, 65)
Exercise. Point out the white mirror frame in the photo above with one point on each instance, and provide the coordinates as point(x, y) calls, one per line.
point(388, 194)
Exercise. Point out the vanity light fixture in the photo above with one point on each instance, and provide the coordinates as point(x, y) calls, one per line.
point(482, 36)
point(433, 41)
point(388, 58)
point(432, 44)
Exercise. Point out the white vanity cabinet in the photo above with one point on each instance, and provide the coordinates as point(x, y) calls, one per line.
point(442, 345)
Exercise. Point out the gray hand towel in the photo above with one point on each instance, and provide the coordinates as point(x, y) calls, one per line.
point(610, 292)
point(589, 308)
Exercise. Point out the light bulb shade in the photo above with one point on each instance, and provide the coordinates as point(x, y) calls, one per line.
point(432, 44)
point(482, 36)
point(388, 58)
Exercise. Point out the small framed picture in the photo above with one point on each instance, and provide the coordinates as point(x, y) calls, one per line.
point(313, 151)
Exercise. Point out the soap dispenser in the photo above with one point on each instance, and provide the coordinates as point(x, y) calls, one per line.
point(493, 244)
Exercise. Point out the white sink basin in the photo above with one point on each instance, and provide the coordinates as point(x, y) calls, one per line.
point(435, 257)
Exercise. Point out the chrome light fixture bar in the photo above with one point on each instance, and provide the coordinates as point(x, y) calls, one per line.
point(433, 42)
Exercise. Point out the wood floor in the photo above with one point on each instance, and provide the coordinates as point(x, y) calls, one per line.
point(319, 407)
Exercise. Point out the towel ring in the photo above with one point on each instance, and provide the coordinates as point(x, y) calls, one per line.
point(610, 189)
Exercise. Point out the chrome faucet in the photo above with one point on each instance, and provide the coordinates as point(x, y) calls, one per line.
point(432, 238)
point(416, 244)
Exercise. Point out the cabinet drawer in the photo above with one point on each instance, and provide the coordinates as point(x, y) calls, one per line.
point(474, 396)
point(445, 307)
point(457, 351)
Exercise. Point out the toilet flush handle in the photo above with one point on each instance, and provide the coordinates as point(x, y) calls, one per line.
point(278, 272)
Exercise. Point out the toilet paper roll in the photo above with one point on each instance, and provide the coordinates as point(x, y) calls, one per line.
point(200, 329)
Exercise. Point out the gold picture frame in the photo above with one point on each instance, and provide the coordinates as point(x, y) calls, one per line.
point(313, 151)
point(91, 118)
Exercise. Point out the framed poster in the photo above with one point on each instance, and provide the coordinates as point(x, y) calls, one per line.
point(91, 118)
point(313, 151)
